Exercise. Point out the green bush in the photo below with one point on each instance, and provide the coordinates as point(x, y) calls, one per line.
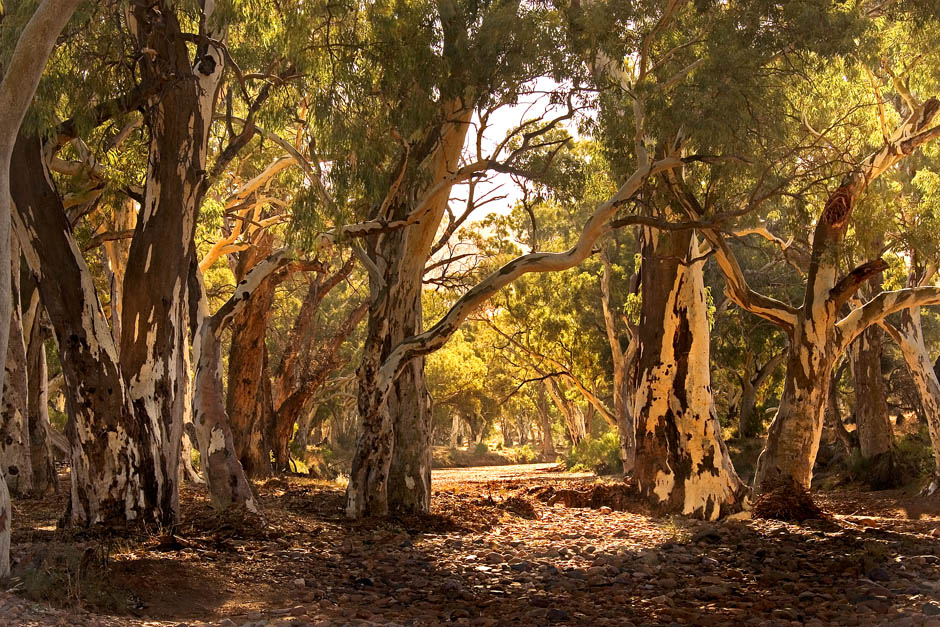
point(600, 455)
point(527, 454)
point(908, 460)
point(481, 449)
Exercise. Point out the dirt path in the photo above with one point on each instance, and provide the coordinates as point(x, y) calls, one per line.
point(483, 474)
point(501, 548)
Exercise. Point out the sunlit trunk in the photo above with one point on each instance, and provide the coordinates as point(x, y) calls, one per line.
point(153, 330)
point(682, 464)
point(910, 338)
point(248, 400)
point(392, 463)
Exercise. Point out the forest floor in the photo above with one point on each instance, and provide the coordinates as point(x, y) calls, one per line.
point(501, 548)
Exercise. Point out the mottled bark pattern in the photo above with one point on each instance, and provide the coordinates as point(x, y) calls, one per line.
point(246, 400)
point(910, 338)
point(682, 464)
point(155, 284)
point(396, 423)
point(872, 420)
point(107, 470)
point(14, 424)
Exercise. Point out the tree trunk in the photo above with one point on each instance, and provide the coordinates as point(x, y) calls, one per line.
point(295, 390)
point(104, 433)
point(910, 338)
point(545, 425)
point(682, 464)
point(153, 332)
point(835, 412)
point(21, 76)
point(228, 486)
point(873, 423)
point(397, 423)
point(574, 419)
point(40, 446)
point(454, 430)
point(14, 423)
point(249, 407)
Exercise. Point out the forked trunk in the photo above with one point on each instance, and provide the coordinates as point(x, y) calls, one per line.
point(682, 464)
point(228, 486)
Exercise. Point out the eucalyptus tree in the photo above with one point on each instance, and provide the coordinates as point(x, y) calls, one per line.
point(21, 74)
point(407, 80)
point(128, 376)
point(819, 330)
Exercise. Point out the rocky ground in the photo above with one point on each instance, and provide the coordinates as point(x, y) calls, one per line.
point(501, 548)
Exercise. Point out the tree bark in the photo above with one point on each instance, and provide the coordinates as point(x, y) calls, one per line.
point(623, 362)
point(545, 425)
point(104, 433)
point(249, 407)
point(45, 481)
point(682, 464)
point(574, 419)
point(20, 79)
point(287, 411)
point(873, 424)
point(909, 336)
point(154, 334)
point(395, 423)
point(14, 422)
point(818, 335)
point(228, 486)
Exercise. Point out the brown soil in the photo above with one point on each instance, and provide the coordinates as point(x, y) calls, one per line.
point(500, 548)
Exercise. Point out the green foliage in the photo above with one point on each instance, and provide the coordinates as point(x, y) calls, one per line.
point(481, 449)
point(600, 455)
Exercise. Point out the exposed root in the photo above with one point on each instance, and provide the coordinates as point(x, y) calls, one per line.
point(787, 501)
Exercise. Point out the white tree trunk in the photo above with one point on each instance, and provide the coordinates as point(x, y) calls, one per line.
point(910, 338)
point(682, 464)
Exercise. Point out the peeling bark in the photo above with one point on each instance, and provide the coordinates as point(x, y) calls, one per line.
point(366, 494)
point(818, 335)
point(872, 418)
point(153, 331)
point(682, 464)
point(104, 433)
point(228, 486)
point(248, 405)
point(909, 336)
point(623, 362)
point(14, 424)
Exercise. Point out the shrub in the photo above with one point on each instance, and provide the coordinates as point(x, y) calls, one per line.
point(527, 454)
point(481, 449)
point(600, 455)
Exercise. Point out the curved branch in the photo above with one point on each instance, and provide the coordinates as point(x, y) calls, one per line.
point(596, 226)
point(882, 306)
